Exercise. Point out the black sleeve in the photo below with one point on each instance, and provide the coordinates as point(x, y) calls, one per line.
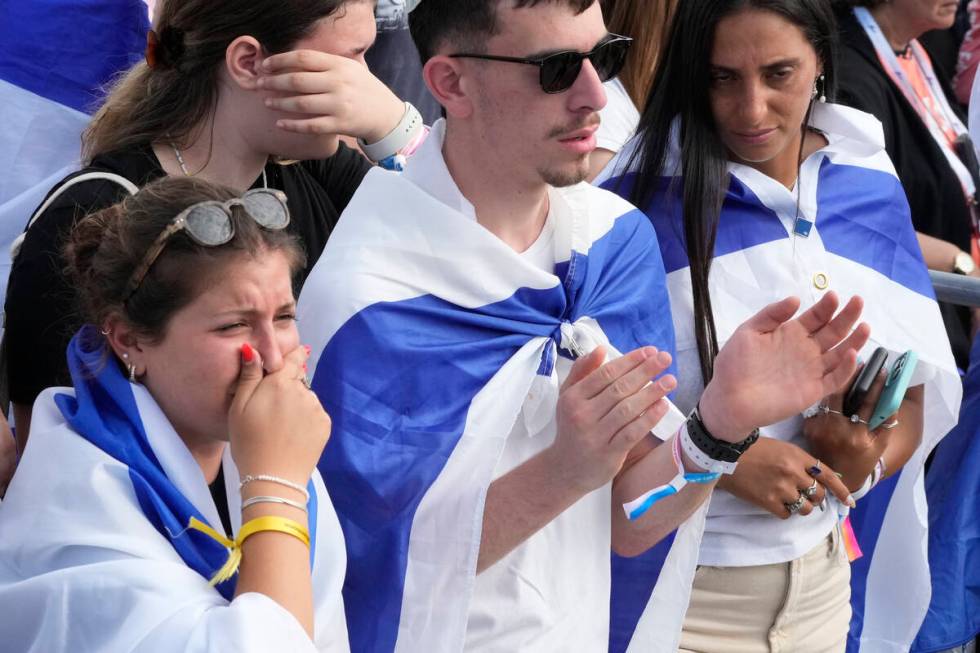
point(340, 175)
point(41, 312)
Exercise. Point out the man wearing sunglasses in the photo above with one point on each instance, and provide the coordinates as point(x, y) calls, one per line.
point(466, 322)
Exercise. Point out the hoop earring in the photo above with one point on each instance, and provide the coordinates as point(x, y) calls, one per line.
point(132, 372)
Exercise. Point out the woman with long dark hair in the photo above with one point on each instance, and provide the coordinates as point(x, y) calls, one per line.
point(759, 187)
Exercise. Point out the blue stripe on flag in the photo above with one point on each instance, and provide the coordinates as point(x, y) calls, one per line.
point(872, 227)
point(739, 228)
point(953, 492)
point(866, 520)
point(67, 50)
point(633, 582)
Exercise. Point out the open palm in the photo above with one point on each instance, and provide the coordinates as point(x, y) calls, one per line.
point(773, 367)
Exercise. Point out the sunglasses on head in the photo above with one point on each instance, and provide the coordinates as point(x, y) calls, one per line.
point(209, 224)
point(560, 70)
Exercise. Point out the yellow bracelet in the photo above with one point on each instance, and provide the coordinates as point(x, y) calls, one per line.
point(277, 524)
point(257, 525)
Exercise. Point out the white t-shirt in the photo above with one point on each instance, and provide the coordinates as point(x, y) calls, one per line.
point(619, 118)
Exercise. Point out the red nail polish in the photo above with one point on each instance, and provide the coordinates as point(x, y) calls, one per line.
point(309, 350)
point(248, 354)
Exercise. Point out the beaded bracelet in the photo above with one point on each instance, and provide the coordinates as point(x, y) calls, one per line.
point(245, 480)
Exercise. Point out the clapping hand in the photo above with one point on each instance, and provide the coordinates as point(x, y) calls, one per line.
point(774, 367)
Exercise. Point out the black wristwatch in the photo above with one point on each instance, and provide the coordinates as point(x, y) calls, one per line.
point(727, 452)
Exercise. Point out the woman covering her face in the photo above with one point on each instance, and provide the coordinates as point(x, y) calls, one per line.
point(231, 92)
point(759, 187)
point(170, 500)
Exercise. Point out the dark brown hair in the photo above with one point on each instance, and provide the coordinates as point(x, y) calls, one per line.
point(179, 92)
point(465, 23)
point(107, 246)
point(646, 21)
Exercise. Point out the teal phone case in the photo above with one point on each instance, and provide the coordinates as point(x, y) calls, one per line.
point(894, 391)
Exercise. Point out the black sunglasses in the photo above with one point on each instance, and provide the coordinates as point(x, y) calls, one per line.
point(560, 70)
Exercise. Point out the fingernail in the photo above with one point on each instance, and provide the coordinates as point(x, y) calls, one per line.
point(309, 350)
point(304, 367)
point(248, 354)
point(851, 502)
point(268, 102)
point(664, 358)
point(668, 383)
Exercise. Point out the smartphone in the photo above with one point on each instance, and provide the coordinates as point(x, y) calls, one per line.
point(862, 384)
point(894, 391)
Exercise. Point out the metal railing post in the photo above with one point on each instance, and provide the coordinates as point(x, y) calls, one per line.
point(956, 288)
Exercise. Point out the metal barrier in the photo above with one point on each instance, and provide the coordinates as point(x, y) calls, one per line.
point(956, 288)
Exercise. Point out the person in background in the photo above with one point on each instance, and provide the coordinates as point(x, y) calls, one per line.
point(758, 186)
point(231, 93)
point(886, 72)
point(646, 21)
point(395, 61)
point(169, 501)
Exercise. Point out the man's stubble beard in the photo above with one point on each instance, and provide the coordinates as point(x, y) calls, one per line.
point(564, 177)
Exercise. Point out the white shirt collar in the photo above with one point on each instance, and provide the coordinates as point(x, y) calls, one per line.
point(428, 171)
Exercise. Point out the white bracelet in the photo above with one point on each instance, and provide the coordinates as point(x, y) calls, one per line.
point(245, 480)
point(700, 458)
point(864, 489)
point(266, 499)
point(407, 129)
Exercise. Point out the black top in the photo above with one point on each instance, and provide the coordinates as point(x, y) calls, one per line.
point(935, 195)
point(934, 191)
point(220, 496)
point(41, 310)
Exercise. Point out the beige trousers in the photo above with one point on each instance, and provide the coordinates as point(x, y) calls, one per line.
point(801, 606)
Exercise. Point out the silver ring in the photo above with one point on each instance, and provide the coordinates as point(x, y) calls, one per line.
point(810, 491)
point(796, 505)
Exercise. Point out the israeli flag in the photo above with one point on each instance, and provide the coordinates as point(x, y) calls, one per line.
point(429, 335)
point(848, 230)
point(56, 57)
point(953, 491)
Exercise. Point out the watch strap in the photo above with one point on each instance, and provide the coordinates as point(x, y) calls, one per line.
point(715, 449)
point(405, 132)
